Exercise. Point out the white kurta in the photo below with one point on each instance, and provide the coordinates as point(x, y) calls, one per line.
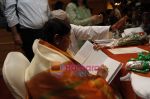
point(87, 33)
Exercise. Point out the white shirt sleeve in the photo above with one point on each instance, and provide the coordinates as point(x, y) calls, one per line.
point(90, 32)
point(10, 12)
point(87, 33)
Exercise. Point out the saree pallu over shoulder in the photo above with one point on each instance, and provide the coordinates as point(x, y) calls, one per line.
point(54, 74)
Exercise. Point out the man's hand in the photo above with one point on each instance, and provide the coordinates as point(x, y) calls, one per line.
point(119, 24)
point(98, 47)
point(16, 36)
point(17, 39)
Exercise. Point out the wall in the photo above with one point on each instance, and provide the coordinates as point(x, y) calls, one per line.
point(97, 6)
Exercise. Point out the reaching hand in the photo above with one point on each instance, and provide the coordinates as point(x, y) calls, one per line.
point(96, 19)
point(119, 24)
point(101, 46)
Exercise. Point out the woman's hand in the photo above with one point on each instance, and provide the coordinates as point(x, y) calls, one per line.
point(102, 71)
point(119, 24)
point(96, 19)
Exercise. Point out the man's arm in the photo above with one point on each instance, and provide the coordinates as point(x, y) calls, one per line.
point(16, 35)
point(12, 19)
point(91, 32)
point(10, 12)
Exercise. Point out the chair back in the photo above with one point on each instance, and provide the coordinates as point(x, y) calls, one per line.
point(140, 85)
point(14, 68)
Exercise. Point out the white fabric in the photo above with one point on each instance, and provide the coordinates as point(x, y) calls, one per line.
point(141, 85)
point(79, 33)
point(32, 13)
point(126, 77)
point(14, 73)
point(35, 45)
point(87, 33)
point(43, 59)
point(131, 31)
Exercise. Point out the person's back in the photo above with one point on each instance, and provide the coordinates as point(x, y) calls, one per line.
point(30, 16)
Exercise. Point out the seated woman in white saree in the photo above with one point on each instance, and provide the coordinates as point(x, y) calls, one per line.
point(54, 74)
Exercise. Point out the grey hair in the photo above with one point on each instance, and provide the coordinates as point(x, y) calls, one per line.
point(60, 14)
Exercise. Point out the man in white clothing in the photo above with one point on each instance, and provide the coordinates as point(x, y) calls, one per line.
point(30, 15)
point(83, 32)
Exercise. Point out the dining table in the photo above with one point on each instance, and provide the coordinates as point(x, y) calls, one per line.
point(125, 87)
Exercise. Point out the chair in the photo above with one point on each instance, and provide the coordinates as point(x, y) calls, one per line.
point(140, 85)
point(13, 71)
